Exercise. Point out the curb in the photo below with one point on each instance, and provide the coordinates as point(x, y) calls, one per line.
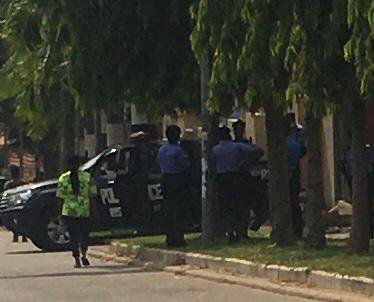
point(282, 278)
point(265, 285)
point(283, 274)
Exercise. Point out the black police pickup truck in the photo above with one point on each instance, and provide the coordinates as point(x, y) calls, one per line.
point(130, 196)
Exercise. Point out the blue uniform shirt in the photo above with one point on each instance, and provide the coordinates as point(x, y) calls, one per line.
point(172, 159)
point(248, 143)
point(228, 156)
point(294, 152)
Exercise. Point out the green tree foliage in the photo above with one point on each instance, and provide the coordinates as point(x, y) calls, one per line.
point(138, 50)
point(163, 72)
point(360, 47)
point(95, 53)
point(34, 73)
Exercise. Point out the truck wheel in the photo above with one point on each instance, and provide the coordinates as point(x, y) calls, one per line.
point(52, 236)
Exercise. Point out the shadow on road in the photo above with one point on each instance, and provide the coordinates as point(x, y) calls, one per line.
point(108, 267)
point(80, 273)
point(93, 243)
point(26, 252)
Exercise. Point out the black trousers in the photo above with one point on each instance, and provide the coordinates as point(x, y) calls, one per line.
point(175, 190)
point(297, 216)
point(246, 200)
point(231, 202)
point(79, 229)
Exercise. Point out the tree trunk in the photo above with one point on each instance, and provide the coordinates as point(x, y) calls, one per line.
point(212, 192)
point(62, 149)
point(360, 235)
point(50, 156)
point(78, 133)
point(100, 137)
point(127, 121)
point(337, 156)
point(66, 142)
point(315, 205)
point(21, 151)
point(279, 191)
point(207, 182)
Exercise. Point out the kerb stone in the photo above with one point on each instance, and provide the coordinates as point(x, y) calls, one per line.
point(357, 285)
point(172, 258)
point(242, 267)
point(215, 263)
point(293, 274)
point(154, 255)
point(197, 260)
point(272, 272)
point(322, 279)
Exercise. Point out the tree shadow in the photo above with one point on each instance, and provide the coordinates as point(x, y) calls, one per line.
point(84, 272)
point(109, 267)
point(25, 252)
point(33, 252)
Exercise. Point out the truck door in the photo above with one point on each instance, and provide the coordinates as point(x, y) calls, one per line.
point(108, 203)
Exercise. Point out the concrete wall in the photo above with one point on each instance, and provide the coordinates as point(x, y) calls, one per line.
point(184, 121)
point(256, 128)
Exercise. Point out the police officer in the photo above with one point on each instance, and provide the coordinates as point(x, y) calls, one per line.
point(228, 157)
point(296, 131)
point(76, 190)
point(250, 200)
point(174, 164)
point(14, 182)
point(295, 153)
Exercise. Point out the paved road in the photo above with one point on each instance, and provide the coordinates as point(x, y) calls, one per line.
point(26, 274)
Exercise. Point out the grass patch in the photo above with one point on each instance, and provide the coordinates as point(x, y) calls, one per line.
point(334, 258)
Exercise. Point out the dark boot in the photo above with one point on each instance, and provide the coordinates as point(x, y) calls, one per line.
point(85, 261)
point(77, 262)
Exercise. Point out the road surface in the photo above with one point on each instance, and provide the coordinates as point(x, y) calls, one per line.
point(26, 274)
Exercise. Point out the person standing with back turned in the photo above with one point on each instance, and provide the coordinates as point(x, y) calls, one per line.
point(248, 190)
point(174, 163)
point(228, 156)
point(76, 191)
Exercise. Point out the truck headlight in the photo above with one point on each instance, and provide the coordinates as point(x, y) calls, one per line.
point(20, 199)
point(25, 195)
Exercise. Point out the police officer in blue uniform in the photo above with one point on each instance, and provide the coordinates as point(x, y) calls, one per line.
point(228, 157)
point(250, 198)
point(296, 150)
point(296, 131)
point(174, 164)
